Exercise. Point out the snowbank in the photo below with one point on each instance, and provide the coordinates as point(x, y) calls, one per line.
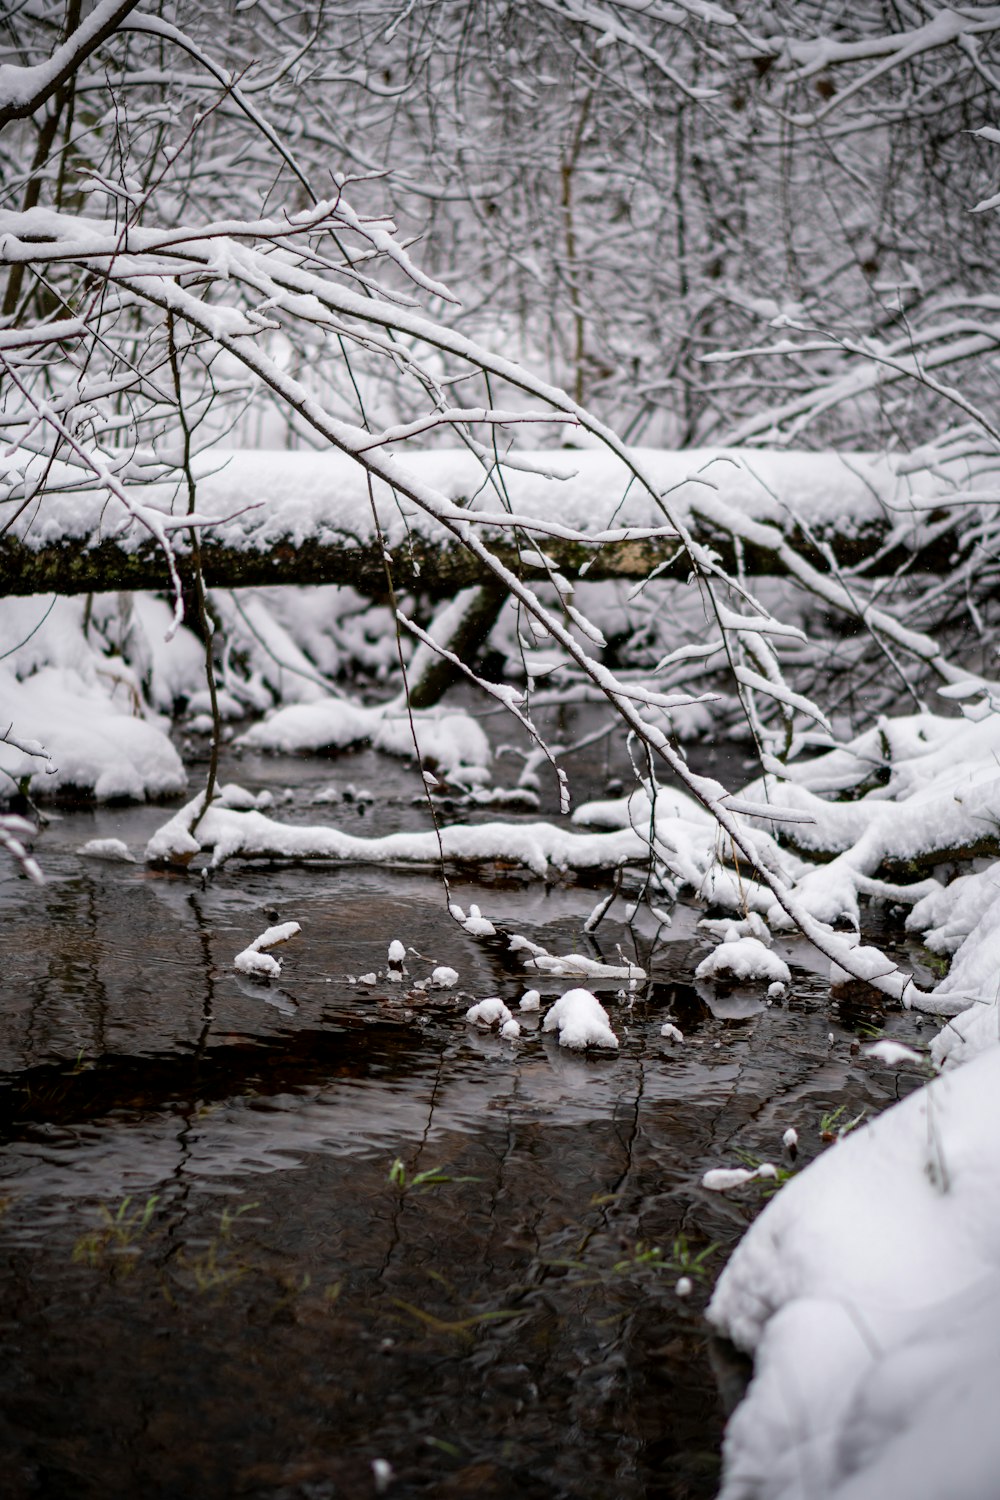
point(97, 744)
point(66, 686)
point(868, 1292)
point(451, 741)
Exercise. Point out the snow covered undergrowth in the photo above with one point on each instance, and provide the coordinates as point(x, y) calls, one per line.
point(93, 682)
point(963, 919)
point(65, 688)
point(868, 1292)
point(918, 789)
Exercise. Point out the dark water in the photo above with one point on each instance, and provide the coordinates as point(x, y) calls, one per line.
point(217, 1282)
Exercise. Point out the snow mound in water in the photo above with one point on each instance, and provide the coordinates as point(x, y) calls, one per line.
point(113, 850)
point(489, 1013)
point(744, 959)
point(581, 1021)
point(868, 1292)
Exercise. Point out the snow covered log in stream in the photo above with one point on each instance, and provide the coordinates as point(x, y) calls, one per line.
point(308, 518)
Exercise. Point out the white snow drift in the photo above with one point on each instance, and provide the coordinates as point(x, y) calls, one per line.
point(868, 1292)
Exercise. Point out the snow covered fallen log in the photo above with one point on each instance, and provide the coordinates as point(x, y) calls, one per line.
point(305, 517)
point(541, 848)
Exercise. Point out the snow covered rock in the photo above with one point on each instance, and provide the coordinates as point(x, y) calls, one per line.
point(744, 960)
point(491, 1014)
point(581, 1021)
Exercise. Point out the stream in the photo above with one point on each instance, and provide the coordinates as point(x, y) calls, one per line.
point(324, 1239)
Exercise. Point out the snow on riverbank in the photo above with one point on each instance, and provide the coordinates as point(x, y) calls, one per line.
point(868, 1292)
point(91, 681)
point(65, 688)
point(450, 741)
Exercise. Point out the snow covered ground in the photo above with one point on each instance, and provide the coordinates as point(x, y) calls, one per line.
point(868, 1292)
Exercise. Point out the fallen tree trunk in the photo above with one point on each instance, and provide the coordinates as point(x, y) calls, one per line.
point(439, 568)
point(307, 518)
point(70, 567)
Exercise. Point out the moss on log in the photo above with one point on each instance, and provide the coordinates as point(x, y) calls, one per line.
point(75, 566)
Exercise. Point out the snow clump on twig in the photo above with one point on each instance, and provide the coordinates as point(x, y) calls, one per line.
point(255, 961)
point(475, 924)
